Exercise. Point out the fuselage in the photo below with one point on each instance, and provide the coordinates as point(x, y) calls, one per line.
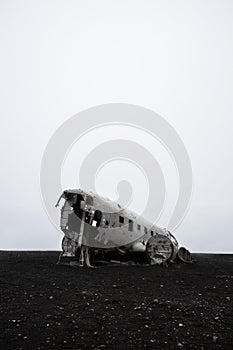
point(97, 222)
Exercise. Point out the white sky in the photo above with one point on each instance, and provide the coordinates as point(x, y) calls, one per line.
point(60, 57)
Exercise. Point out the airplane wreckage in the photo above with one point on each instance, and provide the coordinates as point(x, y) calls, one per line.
point(93, 225)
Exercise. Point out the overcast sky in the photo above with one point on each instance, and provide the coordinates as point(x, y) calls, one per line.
point(61, 57)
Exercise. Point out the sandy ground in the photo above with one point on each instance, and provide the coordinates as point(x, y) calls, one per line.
point(49, 306)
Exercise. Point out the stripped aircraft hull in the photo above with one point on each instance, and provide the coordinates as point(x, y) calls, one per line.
point(91, 223)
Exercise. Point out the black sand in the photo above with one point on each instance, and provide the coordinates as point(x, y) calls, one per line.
point(49, 306)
